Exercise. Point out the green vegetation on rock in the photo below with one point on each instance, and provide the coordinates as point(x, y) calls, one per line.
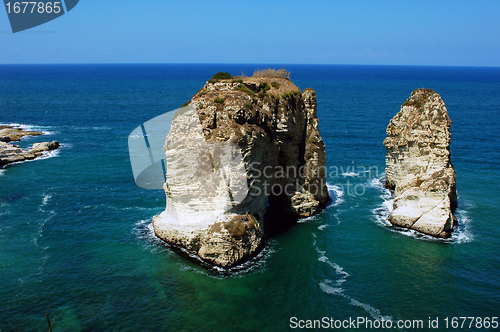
point(243, 88)
point(265, 86)
point(220, 76)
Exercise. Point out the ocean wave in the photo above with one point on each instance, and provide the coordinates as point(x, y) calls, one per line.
point(38, 235)
point(375, 313)
point(144, 230)
point(89, 128)
point(46, 198)
point(18, 125)
point(350, 174)
point(45, 155)
point(49, 154)
point(334, 287)
point(141, 208)
point(337, 198)
point(337, 192)
point(463, 233)
point(326, 287)
point(45, 130)
point(460, 234)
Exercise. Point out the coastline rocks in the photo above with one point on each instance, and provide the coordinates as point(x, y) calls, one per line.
point(9, 133)
point(10, 153)
point(246, 146)
point(418, 166)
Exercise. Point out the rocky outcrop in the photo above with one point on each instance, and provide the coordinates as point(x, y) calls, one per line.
point(10, 153)
point(245, 144)
point(10, 133)
point(418, 166)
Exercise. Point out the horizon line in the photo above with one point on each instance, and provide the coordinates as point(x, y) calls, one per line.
point(249, 63)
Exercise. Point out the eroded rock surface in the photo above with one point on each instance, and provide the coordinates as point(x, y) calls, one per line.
point(246, 141)
point(10, 153)
point(418, 166)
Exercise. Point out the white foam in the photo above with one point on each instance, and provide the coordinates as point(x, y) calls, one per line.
point(375, 313)
point(36, 239)
point(337, 192)
point(335, 288)
point(2, 171)
point(47, 132)
point(377, 183)
point(46, 199)
point(383, 212)
point(45, 155)
point(463, 233)
point(144, 230)
point(90, 128)
point(326, 286)
point(322, 227)
point(338, 269)
point(49, 154)
point(337, 196)
point(350, 174)
point(15, 125)
point(27, 127)
point(141, 208)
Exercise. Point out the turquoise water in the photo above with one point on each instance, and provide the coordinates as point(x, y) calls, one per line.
point(76, 240)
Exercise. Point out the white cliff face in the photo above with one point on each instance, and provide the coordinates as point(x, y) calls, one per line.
point(244, 143)
point(418, 166)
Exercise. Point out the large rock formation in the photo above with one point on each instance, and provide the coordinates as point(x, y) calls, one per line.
point(10, 153)
point(245, 141)
point(418, 166)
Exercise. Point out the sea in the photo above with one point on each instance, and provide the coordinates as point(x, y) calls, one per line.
point(76, 238)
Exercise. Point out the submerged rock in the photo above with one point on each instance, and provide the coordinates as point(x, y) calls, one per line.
point(418, 166)
point(245, 141)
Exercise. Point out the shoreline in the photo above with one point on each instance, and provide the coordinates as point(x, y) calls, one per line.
point(12, 153)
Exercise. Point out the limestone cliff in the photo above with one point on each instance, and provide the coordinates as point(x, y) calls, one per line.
point(418, 166)
point(246, 142)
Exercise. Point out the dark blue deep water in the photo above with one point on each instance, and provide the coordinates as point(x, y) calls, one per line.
point(75, 231)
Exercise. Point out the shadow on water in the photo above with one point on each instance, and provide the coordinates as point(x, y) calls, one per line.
point(12, 198)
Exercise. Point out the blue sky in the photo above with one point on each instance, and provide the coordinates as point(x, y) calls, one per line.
point(456, 33)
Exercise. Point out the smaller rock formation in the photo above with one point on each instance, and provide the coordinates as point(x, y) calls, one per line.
point(10, 153)
point(418, 166)
point(9, 133)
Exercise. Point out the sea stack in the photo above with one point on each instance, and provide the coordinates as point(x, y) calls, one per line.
point(247, 144)
point(418, 166)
